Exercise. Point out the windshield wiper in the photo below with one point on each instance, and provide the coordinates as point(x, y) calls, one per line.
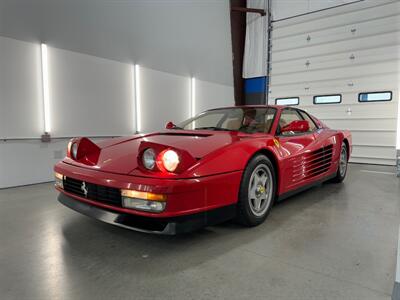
point(213, 128)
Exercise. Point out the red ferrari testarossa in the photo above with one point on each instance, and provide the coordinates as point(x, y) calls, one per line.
point(222, 164)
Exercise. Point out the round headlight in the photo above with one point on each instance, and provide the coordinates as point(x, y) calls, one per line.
point(170, 160)
point(74, 150)
point(149, 158)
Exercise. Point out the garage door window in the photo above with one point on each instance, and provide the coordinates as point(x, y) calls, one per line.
point(287, 101)
point(327, 99)
point(374, 96)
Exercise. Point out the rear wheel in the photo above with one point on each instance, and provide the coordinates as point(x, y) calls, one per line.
point(343, 162)
point(257, 191)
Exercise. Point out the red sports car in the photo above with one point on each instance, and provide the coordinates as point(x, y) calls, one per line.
point(223, 164)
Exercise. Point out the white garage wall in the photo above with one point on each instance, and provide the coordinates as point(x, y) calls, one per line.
point(168, 97)
point(29, 161)
point(164, 97)
point(212, 95)
point(20, 89)
point(89, 96)
point(345, 50)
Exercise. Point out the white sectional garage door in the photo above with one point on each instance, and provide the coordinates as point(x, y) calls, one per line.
point(345, 50)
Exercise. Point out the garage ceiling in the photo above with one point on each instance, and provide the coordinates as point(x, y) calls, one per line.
point(172, 36)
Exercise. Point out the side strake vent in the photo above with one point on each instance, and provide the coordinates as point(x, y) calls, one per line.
point(313, 164)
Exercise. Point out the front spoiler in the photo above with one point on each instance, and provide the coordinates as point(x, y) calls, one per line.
point(164, 226)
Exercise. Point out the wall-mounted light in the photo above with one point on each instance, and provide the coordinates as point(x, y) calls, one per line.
point(192, 97)
point(133, 84)
point(45, 85)
point(136, 82)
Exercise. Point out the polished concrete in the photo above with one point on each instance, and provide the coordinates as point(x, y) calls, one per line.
point(335, 241)
point(396, 287)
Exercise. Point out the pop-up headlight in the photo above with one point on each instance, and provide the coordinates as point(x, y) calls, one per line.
point(168, 160)
point(149, 159)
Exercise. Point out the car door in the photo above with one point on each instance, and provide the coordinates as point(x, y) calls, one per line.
point(330, 142)
point(295, 149)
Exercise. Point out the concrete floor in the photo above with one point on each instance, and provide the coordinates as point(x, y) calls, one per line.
point(331, 242)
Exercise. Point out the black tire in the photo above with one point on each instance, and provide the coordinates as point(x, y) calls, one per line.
point(245, 214)
point(340, 175)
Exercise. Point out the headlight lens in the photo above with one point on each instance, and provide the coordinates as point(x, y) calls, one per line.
point(149, 158)
point(170, 160)
point(74, 150)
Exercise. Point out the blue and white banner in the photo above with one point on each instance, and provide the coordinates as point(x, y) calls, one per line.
point(255, 50)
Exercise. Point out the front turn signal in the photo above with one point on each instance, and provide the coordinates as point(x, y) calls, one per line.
point(59, 180)
point(143, 201)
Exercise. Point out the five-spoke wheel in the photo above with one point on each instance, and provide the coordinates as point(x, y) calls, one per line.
point(342, 164)
point(260, 190)
point(257, 191)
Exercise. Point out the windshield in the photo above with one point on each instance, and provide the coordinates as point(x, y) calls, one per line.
point(249, 120)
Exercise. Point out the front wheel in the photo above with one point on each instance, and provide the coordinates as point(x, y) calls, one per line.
point(342, 168)
point(257, 191)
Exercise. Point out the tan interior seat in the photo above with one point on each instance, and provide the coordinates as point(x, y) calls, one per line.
point(268, 125)
point(233, 124)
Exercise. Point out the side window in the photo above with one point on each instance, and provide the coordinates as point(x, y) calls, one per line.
point(269, 119)
point(287, 117)
point(255, 120)
point(310, 121)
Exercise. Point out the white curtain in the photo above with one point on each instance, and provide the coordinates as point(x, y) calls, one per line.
point(255, 51)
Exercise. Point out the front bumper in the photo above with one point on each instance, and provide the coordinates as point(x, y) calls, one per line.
point(184, 196)
point(165, 226)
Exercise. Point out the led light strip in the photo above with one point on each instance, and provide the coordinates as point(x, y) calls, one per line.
point(193, 96)
point(134, 108)
point(45, 85)
point(136, 83)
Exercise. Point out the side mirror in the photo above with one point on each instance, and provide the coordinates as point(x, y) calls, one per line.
point(170, 125)
point(296, 126)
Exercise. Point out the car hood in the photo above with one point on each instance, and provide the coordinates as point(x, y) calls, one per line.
point(119, 155)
